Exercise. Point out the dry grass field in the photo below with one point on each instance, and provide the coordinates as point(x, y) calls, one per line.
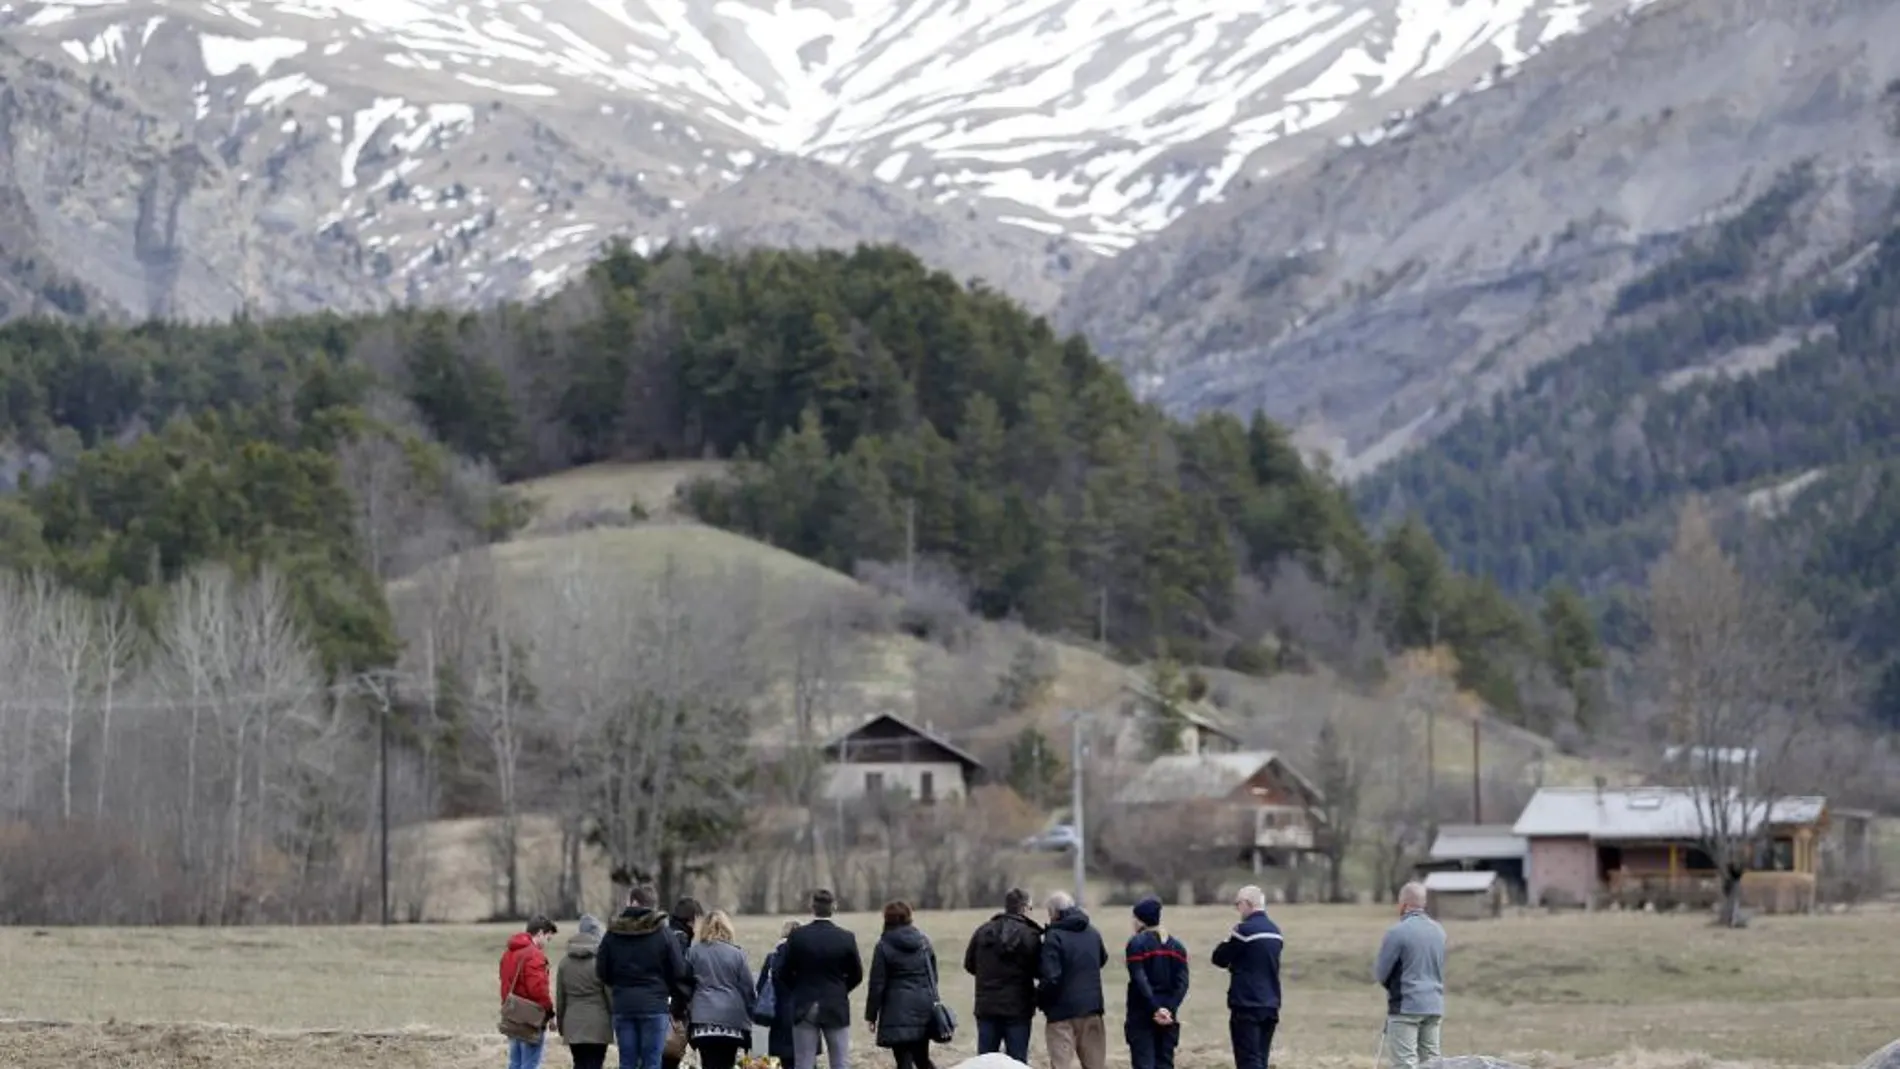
point(1610, 990)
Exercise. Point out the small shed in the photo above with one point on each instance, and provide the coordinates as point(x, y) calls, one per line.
point(1463, 896)
point(1481, 848)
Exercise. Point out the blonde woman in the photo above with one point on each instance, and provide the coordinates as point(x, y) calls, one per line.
point(723, 994)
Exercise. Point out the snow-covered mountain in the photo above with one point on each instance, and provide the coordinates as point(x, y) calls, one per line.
point(1086, 121)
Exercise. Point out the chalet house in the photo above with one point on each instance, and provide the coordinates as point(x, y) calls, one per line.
point(887, 753)
point(1639, 844)
point(1202, 730)
point(1268, 809)
point(1489, 848)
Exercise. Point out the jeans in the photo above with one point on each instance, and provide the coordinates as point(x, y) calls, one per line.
point(1151, 1046)
point(1252, 1037)
point(1007, 1034)
point(589, 1055)
point(1411, 1039)
point(523, 1055)
point(805, 1046)
point(642, 1040)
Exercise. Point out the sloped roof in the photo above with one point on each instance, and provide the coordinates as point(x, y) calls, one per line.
point(1203, 777)
point(1642, 813)
point(833, 748)
point(1200, 714)
point(1477, 842)
point(1460, 882)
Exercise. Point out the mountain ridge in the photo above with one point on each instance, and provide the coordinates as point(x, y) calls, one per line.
point(1057, 134)
point(1370, 297)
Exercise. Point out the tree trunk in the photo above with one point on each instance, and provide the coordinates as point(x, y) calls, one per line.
point(1336, 876)
point(1731, 898)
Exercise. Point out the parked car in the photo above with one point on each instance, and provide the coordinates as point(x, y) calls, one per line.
point(1053, 839)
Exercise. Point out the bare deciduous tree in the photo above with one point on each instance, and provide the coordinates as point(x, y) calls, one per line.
point(1740, 678)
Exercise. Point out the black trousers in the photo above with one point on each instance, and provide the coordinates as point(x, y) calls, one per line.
point(1252, 1036)
point(1151, 1046)
point(912, 1055)
point(778, 1043)
point(589, 1055)
point(717, 1052)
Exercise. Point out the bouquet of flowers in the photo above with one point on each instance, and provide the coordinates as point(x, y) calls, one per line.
point(758, 1061)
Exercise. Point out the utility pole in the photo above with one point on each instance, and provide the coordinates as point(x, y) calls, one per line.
point(1477, 784)
point(382, 805)
point(379, 685)
point(1078, 750)
point(1431, 721)
point(910, 544)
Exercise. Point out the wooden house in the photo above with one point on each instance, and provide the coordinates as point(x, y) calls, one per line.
point(889, 754)
point(1252, 800)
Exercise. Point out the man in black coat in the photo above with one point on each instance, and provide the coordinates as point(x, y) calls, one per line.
point(1070, 987)
point(818, 970)
point(639, 961)
point(1005, 956)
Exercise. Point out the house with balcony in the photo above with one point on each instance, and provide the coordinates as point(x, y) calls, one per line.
point(1252, 800)
point(1642, 845)
point(888, 754)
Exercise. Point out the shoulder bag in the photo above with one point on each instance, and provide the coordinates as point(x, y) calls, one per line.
point(765, 1010)
point(943, 1020)
point(521, 1018)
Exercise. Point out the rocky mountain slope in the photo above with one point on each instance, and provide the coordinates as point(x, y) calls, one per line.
point(343, 152)
point(1372, 294)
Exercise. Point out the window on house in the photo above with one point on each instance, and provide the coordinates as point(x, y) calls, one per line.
point(874, 783)
point(927, 787)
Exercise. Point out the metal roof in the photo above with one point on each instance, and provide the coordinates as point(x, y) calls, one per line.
point(1202, 777)
point(1477, 842)
point(1460, 882)
point(1642, 813)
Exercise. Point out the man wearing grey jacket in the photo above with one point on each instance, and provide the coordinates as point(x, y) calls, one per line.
point(1411, 967)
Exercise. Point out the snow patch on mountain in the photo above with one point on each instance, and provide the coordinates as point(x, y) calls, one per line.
point(1103, 118)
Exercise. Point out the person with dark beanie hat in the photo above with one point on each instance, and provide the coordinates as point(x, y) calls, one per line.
point(1157, 985)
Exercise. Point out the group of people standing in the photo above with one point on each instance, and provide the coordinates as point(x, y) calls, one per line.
point(652, 982)
point(1022, 967)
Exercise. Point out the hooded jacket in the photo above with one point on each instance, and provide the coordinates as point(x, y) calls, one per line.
point(1251, 956)
point(1071, 971)
point(903, 989)
point(640, 963)
point(1157, 974)
point(1004, 955)
point(723, 992)
point(524, 972)
point(580, 999)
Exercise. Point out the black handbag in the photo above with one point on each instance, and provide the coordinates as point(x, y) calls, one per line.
point(943, 1020)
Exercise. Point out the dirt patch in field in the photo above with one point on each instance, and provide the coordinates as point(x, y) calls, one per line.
point(49, 1045)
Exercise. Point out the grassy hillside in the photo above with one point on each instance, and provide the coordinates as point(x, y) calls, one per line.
point(881, 670)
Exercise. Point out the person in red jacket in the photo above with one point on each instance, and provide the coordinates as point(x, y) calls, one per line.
point(524, 972)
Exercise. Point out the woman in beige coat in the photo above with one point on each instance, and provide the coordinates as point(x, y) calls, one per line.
point(582, 1012)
